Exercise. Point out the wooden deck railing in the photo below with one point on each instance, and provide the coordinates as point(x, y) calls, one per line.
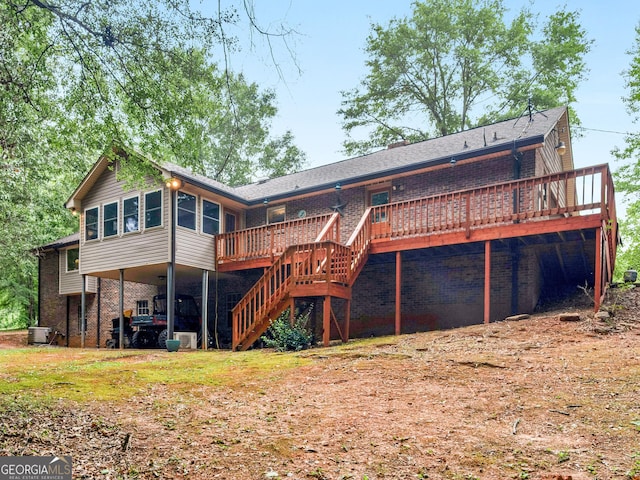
point(269, 241)
point(558, 194)
point(586, 190)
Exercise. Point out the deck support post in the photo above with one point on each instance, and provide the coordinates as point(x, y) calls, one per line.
point(398, 293)
point(597, 281)
point(121, 310)
point(205, 311)
point(326, 320)
point(487, 281)
point(292, 311)
point(347, 319)
point(515, 266)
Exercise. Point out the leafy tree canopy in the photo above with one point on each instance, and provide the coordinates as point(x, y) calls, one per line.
point(628, 175)
point(458, 64)
point(76, 75)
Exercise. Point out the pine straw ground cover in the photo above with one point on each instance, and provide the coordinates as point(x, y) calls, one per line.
point(538, 398)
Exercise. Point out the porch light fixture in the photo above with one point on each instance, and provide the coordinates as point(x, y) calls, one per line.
point(338, 186)
point(452, 161)
point(561, 148)
point(266, 201)
point(174, 183)
point(74, 212)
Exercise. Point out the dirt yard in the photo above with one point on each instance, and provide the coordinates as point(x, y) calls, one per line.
point(538, 398)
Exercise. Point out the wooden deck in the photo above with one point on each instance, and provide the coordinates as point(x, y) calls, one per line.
point(305, 257)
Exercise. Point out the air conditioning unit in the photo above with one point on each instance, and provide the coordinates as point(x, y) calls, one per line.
point(187, 339)
point(38, 335)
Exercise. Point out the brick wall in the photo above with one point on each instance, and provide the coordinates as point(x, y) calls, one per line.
point(53, 307)
point(447, 179)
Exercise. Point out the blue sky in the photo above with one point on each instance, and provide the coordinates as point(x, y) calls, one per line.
point(329, 49)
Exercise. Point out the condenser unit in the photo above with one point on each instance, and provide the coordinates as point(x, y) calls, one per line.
point(38, 335)
point(187, 339)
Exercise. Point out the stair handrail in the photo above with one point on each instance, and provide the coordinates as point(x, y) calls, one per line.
point(331, 230)
point(269, 277)
point(279, 284)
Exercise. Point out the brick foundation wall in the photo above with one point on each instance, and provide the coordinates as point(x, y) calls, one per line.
point(442, 291)
point(231, 284)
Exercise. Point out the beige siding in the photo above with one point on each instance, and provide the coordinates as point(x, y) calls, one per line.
point(71, 282)
point(145, 247)
point(194, 249)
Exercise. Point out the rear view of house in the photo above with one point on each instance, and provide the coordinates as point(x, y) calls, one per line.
point(457, 230)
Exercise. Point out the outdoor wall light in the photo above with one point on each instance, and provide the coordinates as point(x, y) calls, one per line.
point(266, 201)
point(174, 183)
point(452, 161)
point(561, 148)
point(74, 212)
point(338, 186)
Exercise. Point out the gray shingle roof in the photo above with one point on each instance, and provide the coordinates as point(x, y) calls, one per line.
point(72, 239)
point(466, 144)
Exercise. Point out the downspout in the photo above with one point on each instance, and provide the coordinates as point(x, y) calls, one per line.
point(83, 310)
point(67, 335)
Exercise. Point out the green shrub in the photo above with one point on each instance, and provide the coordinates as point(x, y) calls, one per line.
point(283, 336)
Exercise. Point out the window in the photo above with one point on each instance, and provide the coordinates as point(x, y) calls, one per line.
point(73, 259)
point(377, 198)
point(187, 210)
point(110, 219)
point(142, 307)
point(210, 217)
point(276, 214)
point(91, 223)
point(130, 214)
point(153, 209)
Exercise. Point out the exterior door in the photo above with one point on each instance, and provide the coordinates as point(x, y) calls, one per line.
point(380, 218)
point(230, 221)
point(230, 225)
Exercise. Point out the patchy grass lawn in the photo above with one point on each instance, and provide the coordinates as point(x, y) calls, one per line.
point(534, 399)
point(112, 375)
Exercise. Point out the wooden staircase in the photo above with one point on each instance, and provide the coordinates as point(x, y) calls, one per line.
point(320, 268)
